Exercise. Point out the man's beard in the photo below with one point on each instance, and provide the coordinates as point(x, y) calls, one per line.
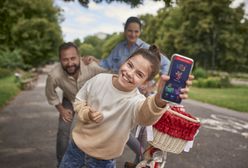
point(76, 68)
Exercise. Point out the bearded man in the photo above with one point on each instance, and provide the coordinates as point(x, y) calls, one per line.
point(69, 75)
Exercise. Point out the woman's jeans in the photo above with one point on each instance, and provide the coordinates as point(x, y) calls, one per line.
point(75, 158)
point(137, 145)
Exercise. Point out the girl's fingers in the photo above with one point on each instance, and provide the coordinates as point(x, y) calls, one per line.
point(185, 90)
point(98, 117)
point(189, 82)
point(183, 96)
point(92, 109)
point(163, 79)
point(191, 77)
point(184, 93)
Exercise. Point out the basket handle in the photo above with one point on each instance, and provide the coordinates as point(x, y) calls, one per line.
point(196, 120)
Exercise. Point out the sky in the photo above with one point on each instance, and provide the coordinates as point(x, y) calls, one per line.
point(80, 22)
point(106, 18)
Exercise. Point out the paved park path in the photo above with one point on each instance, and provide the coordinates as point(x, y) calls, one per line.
point(28, 128)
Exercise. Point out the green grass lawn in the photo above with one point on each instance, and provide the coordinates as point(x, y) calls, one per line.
point(8, 89)
point(235, 98)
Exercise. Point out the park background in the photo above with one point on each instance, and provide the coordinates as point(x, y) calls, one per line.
point(212, 32)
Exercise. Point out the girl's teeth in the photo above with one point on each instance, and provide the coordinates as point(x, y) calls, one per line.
point(126, 79)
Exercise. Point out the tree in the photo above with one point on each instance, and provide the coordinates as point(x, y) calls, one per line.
point(150, 27)
point(77, 42)
point(38, 39)
point(215, 29)
point(87, 49)
point(211, 32)
point(32, 27)
point(133, 3)
point(96, 43)
point(110, 43)
point(163, 29)
point(10, 59)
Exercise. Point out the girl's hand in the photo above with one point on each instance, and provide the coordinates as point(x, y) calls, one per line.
point(160, 102)
point(185, 91)
point(163, 79)
point(95, 116)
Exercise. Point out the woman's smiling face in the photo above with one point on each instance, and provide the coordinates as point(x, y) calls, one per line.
point(132, 32)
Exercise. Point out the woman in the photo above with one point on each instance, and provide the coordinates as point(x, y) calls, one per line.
point(132, 32)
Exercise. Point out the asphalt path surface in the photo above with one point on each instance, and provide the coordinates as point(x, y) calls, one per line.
point(28, 126)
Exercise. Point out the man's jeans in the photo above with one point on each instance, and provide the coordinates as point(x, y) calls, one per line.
point(63, 134)
point(75, 158)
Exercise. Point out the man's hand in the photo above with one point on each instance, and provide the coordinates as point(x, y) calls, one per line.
point(95, 116)
point(89, 59)
point(183, 92)
point(66, 114)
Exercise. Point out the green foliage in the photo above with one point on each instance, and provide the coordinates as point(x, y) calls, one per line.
point(10, 59)
point(240, 75)
point(28, 75)
point(8, 89)
point(211, 32)
point(225, 82)
point(208, 83)
point(37, 45)
point(212, 82)
point(150, 27)
point(235, 98)
point(110, 43)
point(218, 73)
point(87, 49)
point(100, 48)
point(5, 73)
point(132, 3)
point(163, 29)
point(200, 73)
point(77, 42)
point(95, 46)
point(94, 40)
point(32, 28)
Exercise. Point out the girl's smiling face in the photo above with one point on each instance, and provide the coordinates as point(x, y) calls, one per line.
point(133, 73)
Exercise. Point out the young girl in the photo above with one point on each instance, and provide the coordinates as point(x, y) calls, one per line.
point(109, 106)
point(117, 56)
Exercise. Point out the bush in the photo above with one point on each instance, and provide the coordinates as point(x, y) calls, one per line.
point(218, 73)
point(200, 73)
point(225, 82)
point(5, 72)
point(10, 59)
point(207, 83)
point(8, 89)
point(213, 82)
point(240, 75)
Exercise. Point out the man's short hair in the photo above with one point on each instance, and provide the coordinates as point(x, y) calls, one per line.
point(67, 45)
